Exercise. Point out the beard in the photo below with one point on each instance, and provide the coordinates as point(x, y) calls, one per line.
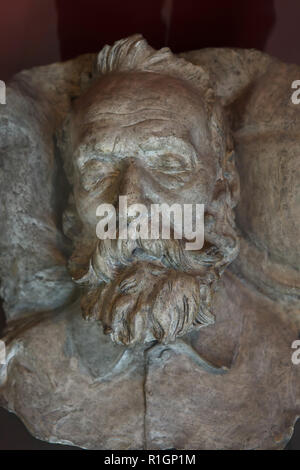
point(148, 290)
point(153, 290)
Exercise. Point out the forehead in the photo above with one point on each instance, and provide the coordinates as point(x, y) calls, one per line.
point(125, 112)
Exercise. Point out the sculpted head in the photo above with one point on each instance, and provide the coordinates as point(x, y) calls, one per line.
point(148, 128)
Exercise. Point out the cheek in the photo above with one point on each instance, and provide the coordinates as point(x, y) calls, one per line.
point(86, 208)
point(87, 201)
point(198, 189)
point(86, 204)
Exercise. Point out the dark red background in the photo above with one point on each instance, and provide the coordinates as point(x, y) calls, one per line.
point(35, 32)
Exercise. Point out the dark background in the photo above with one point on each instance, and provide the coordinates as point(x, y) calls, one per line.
point(36, 32)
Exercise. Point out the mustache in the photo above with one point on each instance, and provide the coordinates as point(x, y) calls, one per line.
point(111, 256)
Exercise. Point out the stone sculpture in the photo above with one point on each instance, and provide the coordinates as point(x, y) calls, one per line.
point(142, 373)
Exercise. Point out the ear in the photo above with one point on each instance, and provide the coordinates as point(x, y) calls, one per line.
point(33, 191)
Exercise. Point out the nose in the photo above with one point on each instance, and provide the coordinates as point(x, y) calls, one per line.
point(132, 182)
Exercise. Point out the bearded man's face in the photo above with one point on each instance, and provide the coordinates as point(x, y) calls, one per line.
point(145, 136)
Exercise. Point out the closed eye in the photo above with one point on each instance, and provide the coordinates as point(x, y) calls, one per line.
point(94, 173)
point(169, 164)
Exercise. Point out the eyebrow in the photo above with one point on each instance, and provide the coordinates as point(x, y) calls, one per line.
point(93, 116)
